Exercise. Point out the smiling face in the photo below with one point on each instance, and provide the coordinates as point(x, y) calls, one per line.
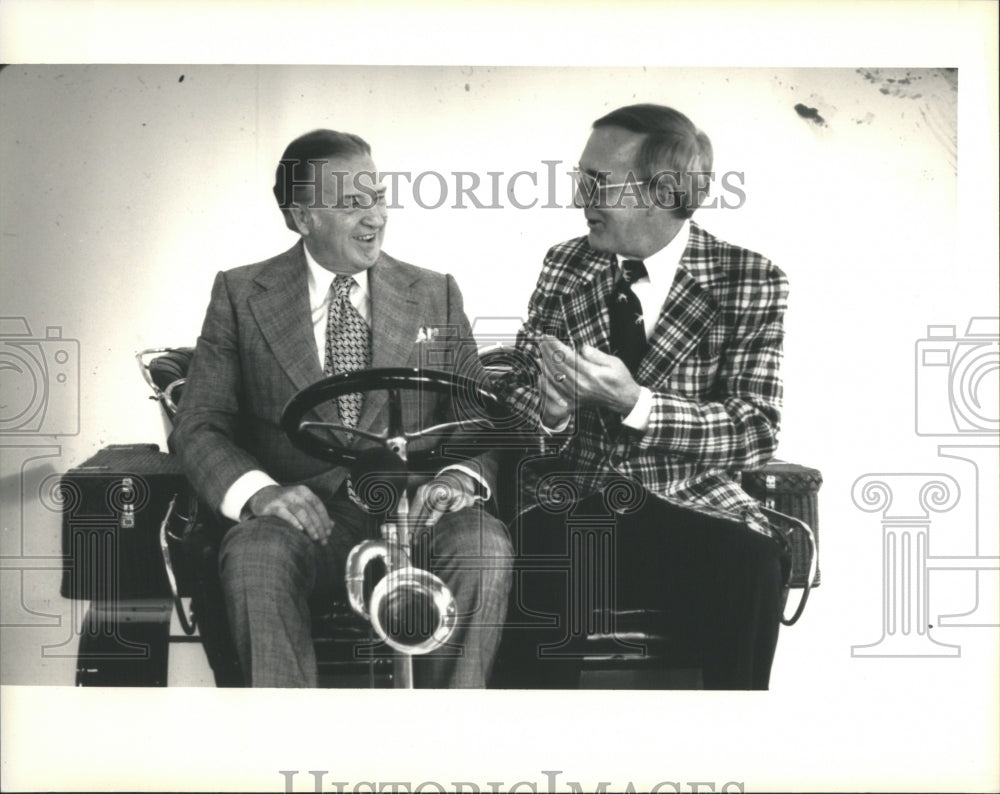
point(345, 234)
point(629, 223)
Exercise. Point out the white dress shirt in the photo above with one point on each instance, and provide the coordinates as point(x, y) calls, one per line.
point(652, 292)
point(319, 280)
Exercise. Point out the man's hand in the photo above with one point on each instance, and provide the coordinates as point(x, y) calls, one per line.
point(556, 387)
point(295, 504)
point(450, 491)
point(587, 376)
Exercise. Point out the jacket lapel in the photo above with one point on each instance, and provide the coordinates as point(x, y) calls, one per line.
point(396, 317)
point(282, 312)
point(585, 309)
point(688, 312)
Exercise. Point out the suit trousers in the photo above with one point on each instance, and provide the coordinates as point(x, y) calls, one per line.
point(273, 575)
point(718, 585)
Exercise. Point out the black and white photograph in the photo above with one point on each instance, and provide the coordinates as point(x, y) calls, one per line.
point(622, 381)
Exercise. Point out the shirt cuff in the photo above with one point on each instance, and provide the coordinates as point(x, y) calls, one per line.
point(239, 493)
point(638, 418)
point(485, 494)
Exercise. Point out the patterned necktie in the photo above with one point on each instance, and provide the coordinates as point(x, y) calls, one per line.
point(348, 348)
point(348, 345)
point(628, 333)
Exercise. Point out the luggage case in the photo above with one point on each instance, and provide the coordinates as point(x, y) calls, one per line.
point(113, 506)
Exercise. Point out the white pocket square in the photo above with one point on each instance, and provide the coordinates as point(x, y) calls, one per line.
point(426, 334)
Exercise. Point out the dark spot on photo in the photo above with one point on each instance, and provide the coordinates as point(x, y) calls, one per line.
point(811, 114)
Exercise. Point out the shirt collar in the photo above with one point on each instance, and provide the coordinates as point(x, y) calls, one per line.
point(320, 279)
point(662, 265)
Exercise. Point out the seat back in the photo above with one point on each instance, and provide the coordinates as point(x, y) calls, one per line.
point(165, 369)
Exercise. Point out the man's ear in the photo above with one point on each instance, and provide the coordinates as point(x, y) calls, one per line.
point(668, 192)
point(301, 218)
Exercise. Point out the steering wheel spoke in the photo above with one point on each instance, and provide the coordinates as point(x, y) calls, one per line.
point(395, 414)
point(446, 427)
point(331, 426)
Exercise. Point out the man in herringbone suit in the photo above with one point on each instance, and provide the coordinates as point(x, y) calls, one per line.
point(659, 348)
point(333, 302)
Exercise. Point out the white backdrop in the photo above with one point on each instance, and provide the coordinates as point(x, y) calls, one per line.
point(128, 187)
point(125, 188)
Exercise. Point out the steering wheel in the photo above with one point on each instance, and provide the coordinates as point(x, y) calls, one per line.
point(315, 439)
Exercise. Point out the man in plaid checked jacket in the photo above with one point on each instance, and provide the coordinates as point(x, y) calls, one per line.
point(702, 404)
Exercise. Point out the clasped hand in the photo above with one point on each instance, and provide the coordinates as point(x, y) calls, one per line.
point(585, 377)
point(298, 505)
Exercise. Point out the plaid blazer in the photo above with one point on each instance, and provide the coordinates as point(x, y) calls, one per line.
point(257, 349)
point(712, 366)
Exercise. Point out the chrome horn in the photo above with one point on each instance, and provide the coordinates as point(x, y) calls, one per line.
point(410, 609)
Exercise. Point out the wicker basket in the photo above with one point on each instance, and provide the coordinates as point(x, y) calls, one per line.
point(792, 489)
